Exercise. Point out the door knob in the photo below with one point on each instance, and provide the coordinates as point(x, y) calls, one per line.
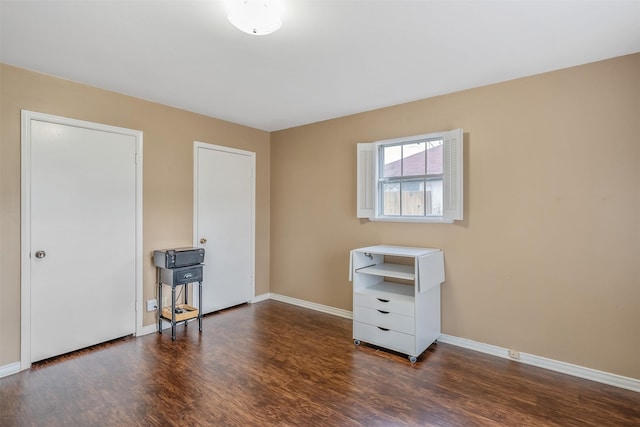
point(203, 241)
point(41, 254)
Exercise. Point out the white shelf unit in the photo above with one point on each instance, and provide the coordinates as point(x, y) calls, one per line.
point(396, 297)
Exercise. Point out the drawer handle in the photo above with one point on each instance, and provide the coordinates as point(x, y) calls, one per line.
point(383, 312)
point(383, 329)
point(382, 300)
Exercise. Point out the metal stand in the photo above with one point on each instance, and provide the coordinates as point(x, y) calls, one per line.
point(179, 277)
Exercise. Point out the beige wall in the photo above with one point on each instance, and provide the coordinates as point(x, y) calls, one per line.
point(547, 260)
point(168, 174)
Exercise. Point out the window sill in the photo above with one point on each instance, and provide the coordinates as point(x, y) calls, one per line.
point(422, 220)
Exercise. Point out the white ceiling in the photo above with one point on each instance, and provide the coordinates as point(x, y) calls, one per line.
point(329, 59)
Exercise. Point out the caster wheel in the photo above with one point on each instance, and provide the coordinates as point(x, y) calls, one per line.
point(356, 342)
point(413, 359)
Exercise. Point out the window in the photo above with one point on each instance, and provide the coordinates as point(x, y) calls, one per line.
point(412, 179)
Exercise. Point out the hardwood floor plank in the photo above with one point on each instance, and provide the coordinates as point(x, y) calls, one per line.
point(272, 363)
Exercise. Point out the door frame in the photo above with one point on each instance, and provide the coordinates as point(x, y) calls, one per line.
point(198, 145)
point(25, 220)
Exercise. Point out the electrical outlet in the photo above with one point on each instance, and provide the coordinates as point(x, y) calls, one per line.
point(514, 354)
point(152, 305)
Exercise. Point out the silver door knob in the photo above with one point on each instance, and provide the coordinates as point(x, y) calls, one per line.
point(203, 241)
point(41, 254)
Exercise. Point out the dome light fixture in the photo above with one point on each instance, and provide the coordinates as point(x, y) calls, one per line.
point(257, 17)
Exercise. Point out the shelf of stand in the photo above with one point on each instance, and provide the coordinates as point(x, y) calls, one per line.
point(396, 271)
point(190, 312)
point(384, 289)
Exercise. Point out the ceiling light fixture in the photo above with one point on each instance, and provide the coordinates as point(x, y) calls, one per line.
point(257, 17)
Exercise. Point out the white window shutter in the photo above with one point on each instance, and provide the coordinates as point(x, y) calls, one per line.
point(453, 177)
point(365, 181)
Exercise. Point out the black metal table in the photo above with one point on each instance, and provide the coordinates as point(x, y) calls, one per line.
point(180, 276)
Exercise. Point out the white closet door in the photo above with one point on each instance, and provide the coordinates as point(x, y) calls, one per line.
point(224, 224)
point(83, 237)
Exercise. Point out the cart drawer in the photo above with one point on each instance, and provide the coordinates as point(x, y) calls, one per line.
point(384, 319)
point(181, 275)
point(398, 341)
point(391, 303)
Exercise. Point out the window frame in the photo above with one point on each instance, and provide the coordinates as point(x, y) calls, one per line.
point(402, 179)
point(370, 166)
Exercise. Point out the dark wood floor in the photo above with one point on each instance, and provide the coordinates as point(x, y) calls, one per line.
point(272, 363)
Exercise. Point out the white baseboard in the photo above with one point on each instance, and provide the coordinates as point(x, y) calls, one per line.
point(550, 364)
point(529, 359)
point(153, 328)
point(149, 329)
point(262, 297)
point(10, 369)
point(312, 305)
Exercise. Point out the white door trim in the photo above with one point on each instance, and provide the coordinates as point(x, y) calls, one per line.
point(25, 220)
point(196, 243)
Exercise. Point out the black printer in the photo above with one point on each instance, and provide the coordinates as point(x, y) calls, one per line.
point(178, 257)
